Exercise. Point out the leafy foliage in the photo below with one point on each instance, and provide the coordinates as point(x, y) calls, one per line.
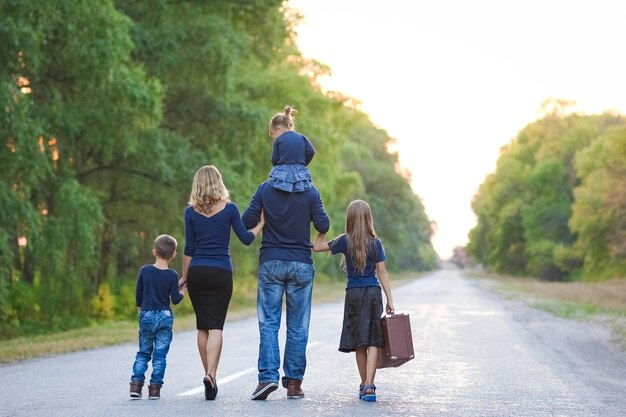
point(553, 208)
point(599, 212)
point(110, 107)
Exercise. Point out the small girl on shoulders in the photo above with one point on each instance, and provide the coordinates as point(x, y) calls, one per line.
point(291, 154)
point(364, 259)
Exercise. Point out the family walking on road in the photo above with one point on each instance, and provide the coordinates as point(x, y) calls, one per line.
point(283, 208)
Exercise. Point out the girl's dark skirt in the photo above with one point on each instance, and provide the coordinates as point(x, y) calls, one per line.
point(210, 290)
point(362, 311)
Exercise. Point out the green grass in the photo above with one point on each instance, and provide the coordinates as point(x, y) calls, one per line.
point(567, 309)
point(68, 341)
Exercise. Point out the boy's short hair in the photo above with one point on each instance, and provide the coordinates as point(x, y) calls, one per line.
point(165, 246)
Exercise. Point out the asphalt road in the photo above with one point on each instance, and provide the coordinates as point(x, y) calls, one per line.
point(476, 355)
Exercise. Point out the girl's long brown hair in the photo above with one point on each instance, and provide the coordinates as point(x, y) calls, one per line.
point(360, 232)
point(207, 190)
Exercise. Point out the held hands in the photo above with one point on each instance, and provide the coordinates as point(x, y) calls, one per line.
point(182, 285)
point(259, 226)
point(319, 245)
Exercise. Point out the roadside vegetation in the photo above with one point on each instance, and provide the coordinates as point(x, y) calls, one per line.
point(603, 303)
point(555, 207)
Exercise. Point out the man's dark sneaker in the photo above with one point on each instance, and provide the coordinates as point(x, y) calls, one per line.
point(263, 390)
point(135, 390)
point(154, 391)
point(294, 390)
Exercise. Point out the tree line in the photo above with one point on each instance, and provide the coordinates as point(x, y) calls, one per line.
point(555, 207)
point(109, 108)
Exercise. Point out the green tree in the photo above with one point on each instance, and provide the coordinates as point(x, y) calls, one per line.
point(110, 108)
point(524, 208)
point(599, 210)
point(87, 110)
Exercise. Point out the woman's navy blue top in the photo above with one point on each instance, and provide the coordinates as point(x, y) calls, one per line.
point(356, 278)
point(207, 239)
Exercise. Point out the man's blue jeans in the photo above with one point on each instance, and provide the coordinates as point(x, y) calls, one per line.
point(155, 336)
point(295, 279)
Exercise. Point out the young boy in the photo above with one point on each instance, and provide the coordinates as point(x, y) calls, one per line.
point(156, 285)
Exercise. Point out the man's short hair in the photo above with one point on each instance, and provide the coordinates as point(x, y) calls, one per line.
point(165, 246)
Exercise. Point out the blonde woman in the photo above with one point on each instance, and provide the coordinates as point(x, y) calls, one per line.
point(207, 268)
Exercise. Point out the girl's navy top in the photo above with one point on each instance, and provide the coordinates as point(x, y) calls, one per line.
point(292, 148)
point(207, 239)
point(356, 278)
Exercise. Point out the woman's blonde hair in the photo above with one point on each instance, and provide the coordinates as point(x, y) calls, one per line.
point(207, 190)
point(284, 119)
point(360, 232)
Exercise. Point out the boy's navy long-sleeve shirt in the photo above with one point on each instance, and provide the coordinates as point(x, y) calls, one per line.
point(288, 218)
point(156, 287)
point(292, 148)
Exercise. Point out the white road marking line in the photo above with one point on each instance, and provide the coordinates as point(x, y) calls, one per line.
point(221, 381)
point(234, 376)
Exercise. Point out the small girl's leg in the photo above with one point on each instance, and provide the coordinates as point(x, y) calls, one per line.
point(369, 389)
point(361, 364)
point(372, 361)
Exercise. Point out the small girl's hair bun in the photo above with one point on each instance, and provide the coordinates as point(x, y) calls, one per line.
point(289, 111)
point(285, 119)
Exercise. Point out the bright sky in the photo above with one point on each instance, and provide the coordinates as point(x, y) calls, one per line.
point(455, 80)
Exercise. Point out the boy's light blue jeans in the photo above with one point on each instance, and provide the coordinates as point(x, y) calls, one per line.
point(155, 336)
point(295, 279)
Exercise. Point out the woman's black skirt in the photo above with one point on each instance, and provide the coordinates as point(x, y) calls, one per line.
point(210, 290)
point(362, 311)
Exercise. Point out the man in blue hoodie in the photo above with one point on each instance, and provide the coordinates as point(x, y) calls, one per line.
point(285, 268)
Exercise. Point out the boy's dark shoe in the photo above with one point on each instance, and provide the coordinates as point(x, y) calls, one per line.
point(154, 391)
point(263, 390)
point(135, 389)
point(294, 390)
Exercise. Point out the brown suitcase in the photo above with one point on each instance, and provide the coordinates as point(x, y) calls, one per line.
point(398, 341)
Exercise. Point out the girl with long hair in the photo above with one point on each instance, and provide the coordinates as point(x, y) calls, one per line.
point(364, 261)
